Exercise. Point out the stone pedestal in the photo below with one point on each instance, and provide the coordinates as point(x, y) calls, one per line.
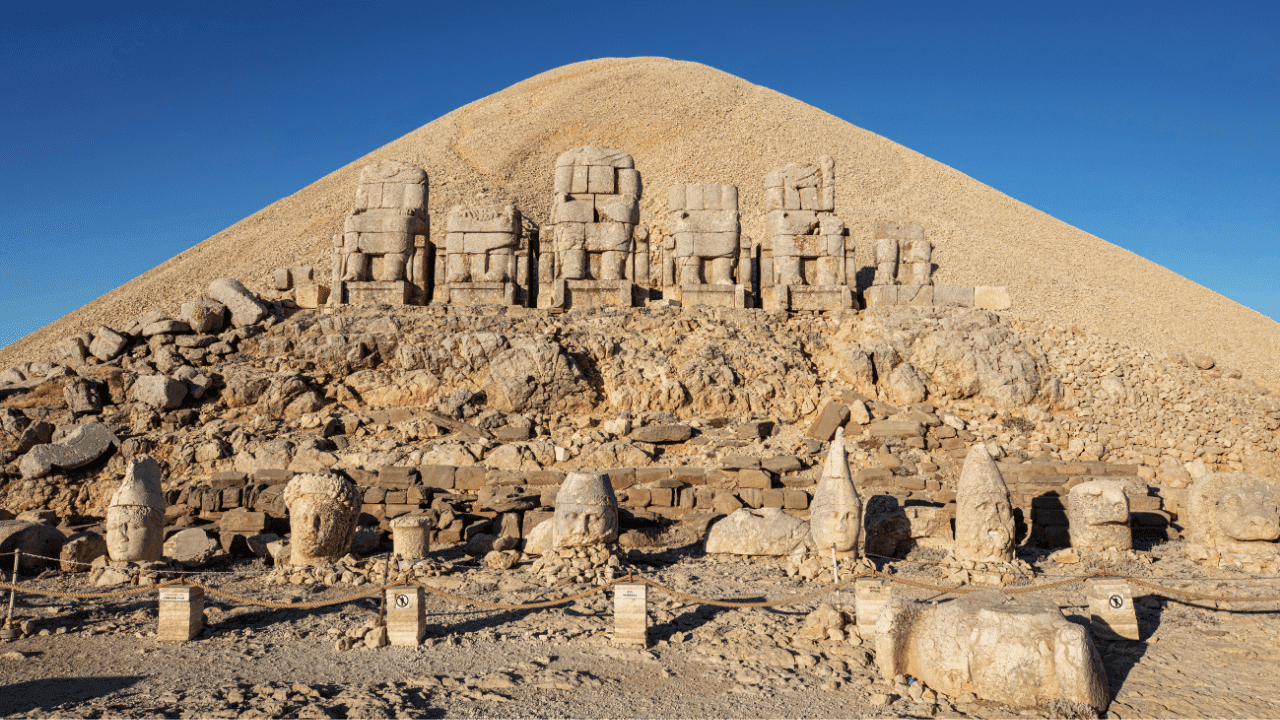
point(480, 293)
point(406, 620)
point(181, 613)
point(411, 536)
point(397, 292)
point(730, 296)
point(810, 297)
point(918, 295)
point(871, 595)
point(587, 293)
point(1111, 612)
point(631, 615)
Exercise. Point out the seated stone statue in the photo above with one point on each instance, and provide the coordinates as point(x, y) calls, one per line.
point(1099, 514)
point(487, 259)
point(322, 518)
point(1021, 653)
point(1234, 517)
point(382, 254)
point(704, 266)
point(135, 518)
point(804, 264)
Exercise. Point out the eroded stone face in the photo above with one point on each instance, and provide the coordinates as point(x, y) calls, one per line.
point(835, 515)
point(135, 518)
point(322, 518)
point(984, 515)
point(1099, 514)
point(1021, 653)
point(1235, 513)
point(586, 511)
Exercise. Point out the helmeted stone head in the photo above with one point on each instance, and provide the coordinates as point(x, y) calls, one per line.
point(1099, 515)
point(586, 511)
point(835, 515)
point(984, 515)
point(322, 518)
point(135, 518)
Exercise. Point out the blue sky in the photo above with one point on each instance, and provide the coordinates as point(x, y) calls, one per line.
point(132, 131)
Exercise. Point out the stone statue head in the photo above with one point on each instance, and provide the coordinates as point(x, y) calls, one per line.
point(835, 515)
point(323, 510)
point(586, 511)
point(984, 515)
point(135, 518)
point(1099, 516)
point(1235, 513)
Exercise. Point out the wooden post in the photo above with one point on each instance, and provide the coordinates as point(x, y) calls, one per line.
point(631, 615)
point(181, 613)
point(870, 594)
point(1111, 610)
point(406, 619)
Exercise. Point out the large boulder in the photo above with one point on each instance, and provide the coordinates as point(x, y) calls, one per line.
point(768, 531)
point(535, 375)
point(40, 544)
point(159, 391)
point(204, 315)
point(192, 545)
point(80, 550)
point(243, 304)
point(80, 447)
point(82, 396)
point(107, 343)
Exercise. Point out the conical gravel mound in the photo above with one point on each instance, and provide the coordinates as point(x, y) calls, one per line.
point(684, 122)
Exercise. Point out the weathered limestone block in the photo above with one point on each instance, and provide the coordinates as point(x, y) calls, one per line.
point(1018, 653)
point(135, 518)
point(82, 396)
point(984, 516)
point(586, 511)
point(322, 518)
point(205, 315)
point(411, 536)
point(240, 302)
point(158, 391)
point(80, 550)
point(1099, 514)
point(81, 446)
point(804, 260)
point(767, 531)
point(706, 258)
point(36, 540)
point(1233, 514)
point(382, 253)
point(835, 515)
point(487, 259)
point(107, 343)
point(192, 545)
point(592, 251)
point(991, 298)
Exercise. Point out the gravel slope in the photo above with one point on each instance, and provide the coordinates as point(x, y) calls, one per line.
point(685, 122)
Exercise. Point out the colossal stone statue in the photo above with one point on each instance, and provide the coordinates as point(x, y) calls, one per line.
point(984, 516)
point(586, 511)
point(486, 260)
point(705, 264)
point(322, 518)
point(382, 255)
point(835, 515)
point(1098, 511)
point(591, 253)
point(1234, 517)
point(1018, 653)
point(804, 256)
point(135, 518)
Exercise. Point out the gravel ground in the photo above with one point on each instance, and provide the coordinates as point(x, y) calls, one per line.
point(684, 122)
point(100, 658)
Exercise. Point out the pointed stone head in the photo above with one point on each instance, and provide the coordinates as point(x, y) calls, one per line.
point(586, 511)
point(835, 515)
point(984, 515)
point(323, 510)
point(135, 518)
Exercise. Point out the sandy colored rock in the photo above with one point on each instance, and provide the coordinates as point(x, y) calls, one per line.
point(767, 531)
point(1231, 513)
point(33, 539)
point(835, 515)
point(244, 307)
point(322, 518)
point(411, 536)
point(159, 392)
point(192, 545)
point(135, 518)
point(984, 518)
point(1019, 653)
point(1099, 514)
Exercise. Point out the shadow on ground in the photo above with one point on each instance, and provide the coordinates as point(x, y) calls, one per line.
point(36, 694)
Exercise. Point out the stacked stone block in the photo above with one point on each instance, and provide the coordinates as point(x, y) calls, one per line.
point(904, 274)
point(592, 253)
point(382, 255)
point(705, 263)
point(486, 258)
point(804, 258)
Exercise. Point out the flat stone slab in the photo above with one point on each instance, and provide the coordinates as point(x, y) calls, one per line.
point(79, 448)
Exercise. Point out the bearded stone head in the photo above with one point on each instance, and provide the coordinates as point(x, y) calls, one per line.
point(984, 515)
point(586, 511)
point(322, 518)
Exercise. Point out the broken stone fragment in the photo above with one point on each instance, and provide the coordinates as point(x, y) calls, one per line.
point(33, 539)
point(244, 306)
point(80, 447)
point(768, 531)
point(107, 343)
point(159, 391)
point(204, 315)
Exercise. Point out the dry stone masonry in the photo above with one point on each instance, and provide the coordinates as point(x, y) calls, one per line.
point(706, 262)
point(382, 254)
point(804, 263)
